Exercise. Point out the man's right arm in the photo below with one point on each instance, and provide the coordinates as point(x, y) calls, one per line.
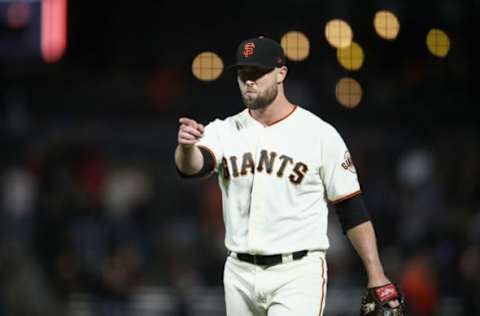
point(188, 157)
point(189, 160)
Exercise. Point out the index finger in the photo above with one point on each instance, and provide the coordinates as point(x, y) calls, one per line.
point(187, 121)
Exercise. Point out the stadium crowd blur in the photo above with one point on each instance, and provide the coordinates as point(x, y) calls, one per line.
point(92, 209)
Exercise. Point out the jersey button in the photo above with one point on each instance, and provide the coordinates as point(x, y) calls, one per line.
point(261, 298)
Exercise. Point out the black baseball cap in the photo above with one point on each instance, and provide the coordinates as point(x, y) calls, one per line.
point(261, 52)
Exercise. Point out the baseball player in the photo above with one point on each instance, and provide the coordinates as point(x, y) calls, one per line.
point(278, 167)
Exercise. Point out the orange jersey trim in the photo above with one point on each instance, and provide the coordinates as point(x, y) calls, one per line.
point(346, 197)
point(279, 120)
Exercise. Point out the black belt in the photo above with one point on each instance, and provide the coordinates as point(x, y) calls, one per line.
point(269, 260)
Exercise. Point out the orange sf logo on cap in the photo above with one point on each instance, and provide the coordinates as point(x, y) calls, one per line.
point(248, 49)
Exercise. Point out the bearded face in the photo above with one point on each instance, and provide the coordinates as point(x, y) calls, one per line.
point(261, 99)
point(258, 87)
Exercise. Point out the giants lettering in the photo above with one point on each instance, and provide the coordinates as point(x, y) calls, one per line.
point(233, 161)
point(299, 172)
point(266, 163)
point(285, 160)
point(247, 163)
point(225, 172)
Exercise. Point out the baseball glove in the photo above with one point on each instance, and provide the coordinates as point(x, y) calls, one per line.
point(376, 299)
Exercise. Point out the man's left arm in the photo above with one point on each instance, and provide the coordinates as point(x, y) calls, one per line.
point(356, 224)
point(380, 288)
point(364, 241)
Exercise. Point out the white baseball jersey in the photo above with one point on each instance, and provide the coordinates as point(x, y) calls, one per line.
point(276, 180)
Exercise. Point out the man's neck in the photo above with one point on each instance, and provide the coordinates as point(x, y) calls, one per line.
point(272, 113)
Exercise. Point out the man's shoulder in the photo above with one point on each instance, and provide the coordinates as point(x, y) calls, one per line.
point(240, 116)
point(313, 120)
point(229, 121)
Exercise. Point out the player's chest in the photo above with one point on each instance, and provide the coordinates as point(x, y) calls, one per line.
point(282, 155)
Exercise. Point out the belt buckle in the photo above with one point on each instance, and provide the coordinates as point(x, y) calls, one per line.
point(287, 257)
point(255, 262)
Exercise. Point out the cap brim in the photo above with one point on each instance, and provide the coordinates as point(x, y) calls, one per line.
point(241, 65)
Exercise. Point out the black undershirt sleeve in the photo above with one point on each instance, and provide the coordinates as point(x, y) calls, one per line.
point(351, 212)
point(208, 166)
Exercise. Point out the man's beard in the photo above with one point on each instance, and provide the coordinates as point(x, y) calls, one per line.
point(262, 100)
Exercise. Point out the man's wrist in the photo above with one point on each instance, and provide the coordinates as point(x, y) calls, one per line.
point(377, 279)
point(186, 148)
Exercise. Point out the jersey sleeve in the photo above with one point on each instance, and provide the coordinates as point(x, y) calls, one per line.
point(337, 170)
point(211, 142)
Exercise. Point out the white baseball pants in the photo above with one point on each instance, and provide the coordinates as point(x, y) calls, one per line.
point(296, 288)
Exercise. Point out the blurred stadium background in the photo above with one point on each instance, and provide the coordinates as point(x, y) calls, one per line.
point(95, 221)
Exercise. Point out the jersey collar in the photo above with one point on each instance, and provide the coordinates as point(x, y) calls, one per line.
point(275, 122)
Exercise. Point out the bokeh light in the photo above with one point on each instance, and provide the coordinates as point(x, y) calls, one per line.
point(348, 92)
point(351, 57)
point(438, 43)
point(54, 32)
point(207, 66)
point(338, 33)
point(295, 45)
point(386, 25)
point(18, 14)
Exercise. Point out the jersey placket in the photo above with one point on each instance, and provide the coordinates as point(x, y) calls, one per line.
point(257, 200)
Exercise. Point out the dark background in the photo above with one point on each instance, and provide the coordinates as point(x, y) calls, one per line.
point(95, 221)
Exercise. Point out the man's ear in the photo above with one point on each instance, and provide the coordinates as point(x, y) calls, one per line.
point(282, 74)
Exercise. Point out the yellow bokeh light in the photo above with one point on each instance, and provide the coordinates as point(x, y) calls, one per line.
point(348, 92)
point(438, 42)
point(386, 25)
point(351, 57)
point(207, 66)
point(338, 33)
point(295, 45)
